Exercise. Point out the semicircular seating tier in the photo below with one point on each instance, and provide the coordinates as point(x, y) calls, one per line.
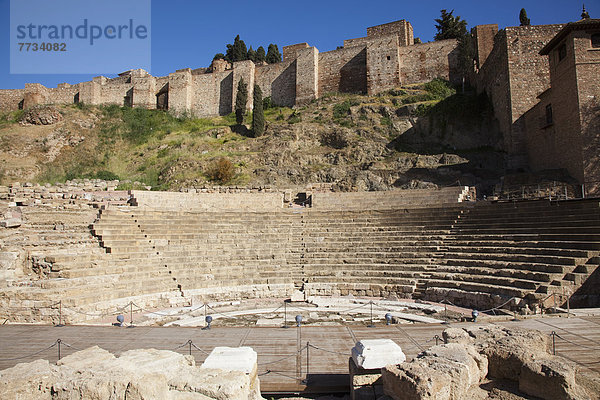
point(177, 249)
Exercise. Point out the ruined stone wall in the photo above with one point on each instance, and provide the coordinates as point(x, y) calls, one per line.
point(291, 52)
point(528, 77)
point(180, 91)
point(541, 140)
point(565, 112)
point(493, 80)
point(403, 29)
point(218, 202)
point(394, 199)
point(587, 61)
point(483, 38)
point(10, 99)
point(343, 70)
point(307, 75)
point(513, 75)
point(423, 62)
point(278, 81)
point(244, 69)
point(211, 94)
point(383, 64)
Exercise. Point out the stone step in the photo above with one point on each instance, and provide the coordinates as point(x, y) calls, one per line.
point(513, 257)
point(495, 264)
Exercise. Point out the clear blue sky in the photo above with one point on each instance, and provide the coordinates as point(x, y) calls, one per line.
point(187, 33)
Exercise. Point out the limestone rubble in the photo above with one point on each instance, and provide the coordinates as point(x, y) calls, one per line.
point(144, 374)
point(475, 355)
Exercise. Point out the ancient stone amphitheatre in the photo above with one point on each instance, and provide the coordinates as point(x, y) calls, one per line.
point(395, 280)
point(83, 253)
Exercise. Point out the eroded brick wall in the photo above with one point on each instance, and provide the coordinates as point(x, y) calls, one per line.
point(278, 81)
point(10, 99)
point(493, 80)
point(423, 62)
point(587, 61)
point(483, 38)
point(290, 52)
point(383, 64)
point(211, 94)
point(343, 70)
point(307, 75)
point(528, 77)
point(402, 28)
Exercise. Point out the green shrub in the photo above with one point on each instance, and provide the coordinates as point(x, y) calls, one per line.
point(342, 110)
point(439, 88)
point(294, 118)
point(268, 103)
point(106, 175)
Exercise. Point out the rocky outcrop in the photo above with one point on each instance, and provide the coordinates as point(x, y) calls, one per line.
point(95, 373)
point(41, 115)
point(474, 355)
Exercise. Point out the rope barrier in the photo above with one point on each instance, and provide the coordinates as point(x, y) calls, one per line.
point(281, 374)
point(32, 354)
point(411, 338)
point(169, 315)
point(576, 344)
point(284, 358)
point(199, 349)
point(220, 313)
point(500, 306)
point(69, 346)
point(327, 351)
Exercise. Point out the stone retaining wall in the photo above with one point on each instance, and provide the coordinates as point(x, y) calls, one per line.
point(207, 201)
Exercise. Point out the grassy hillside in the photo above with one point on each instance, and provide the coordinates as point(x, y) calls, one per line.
point(411, 136)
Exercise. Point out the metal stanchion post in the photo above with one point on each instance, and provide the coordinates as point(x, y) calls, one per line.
point(58, 341)
point(298, 355)
point(285, 325)
point(130, 314)
point(437, 339)
point(553, 334)
point(190, 344)
point(305, 381)
point(371, 324)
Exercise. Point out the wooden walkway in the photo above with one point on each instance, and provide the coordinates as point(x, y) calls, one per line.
point(282, 367)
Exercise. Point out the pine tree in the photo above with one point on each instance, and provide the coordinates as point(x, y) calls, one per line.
point(219, 56)
point(241, 99)
point(260, 55)
point(273, 55)
point(449, 26)
point(251, 54)
point(258, 116)
point(523, 18)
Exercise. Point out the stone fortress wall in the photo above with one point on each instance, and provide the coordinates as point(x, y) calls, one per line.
point(508, 68)
point(370, 64)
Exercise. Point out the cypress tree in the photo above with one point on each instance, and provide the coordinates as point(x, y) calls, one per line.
point(273, 55)
point(241, 99)
point(523, 18)
point(236, 51)
point(251, 54)
point(260, 55)
point(258, 116)
point(239, 50)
